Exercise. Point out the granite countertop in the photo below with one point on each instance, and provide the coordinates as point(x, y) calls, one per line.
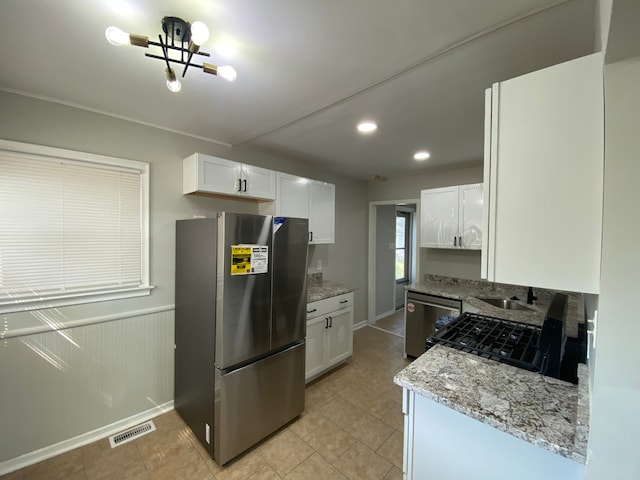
point(469, 290)
point(544, 411)
point(319, 289)
point(541, 410)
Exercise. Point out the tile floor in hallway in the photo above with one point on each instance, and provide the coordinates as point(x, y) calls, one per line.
point(351, 429)
point(393, 323)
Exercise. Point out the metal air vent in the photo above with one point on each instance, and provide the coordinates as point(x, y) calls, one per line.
point(132, 433)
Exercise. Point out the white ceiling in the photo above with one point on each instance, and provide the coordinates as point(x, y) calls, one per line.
point(308, 70)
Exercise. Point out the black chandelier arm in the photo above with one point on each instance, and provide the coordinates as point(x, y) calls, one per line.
point(165, 53)
point(187, 64)
point(172, 60)
point(180, 49)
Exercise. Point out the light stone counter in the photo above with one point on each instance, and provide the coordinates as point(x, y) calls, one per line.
point(319, 289)
point(469, 290)
point(541, 410)
point(544, 411)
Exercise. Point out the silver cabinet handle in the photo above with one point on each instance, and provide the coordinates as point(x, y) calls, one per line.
point(326, 322)
point(239, 184)
point(459, 241)
point(311, 311)
point(330, 322)
point(455, 241)
point(344, 301)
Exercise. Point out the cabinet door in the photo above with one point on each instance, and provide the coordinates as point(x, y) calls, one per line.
point(439, 217)
point(315, 349)
point(217, 175)
point(545, 175)
point(258, 182)
point(292, 196)
point(322, 206)
point(470, 216)
point(339, 336)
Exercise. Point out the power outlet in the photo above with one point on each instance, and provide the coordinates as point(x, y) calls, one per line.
point(319, 265)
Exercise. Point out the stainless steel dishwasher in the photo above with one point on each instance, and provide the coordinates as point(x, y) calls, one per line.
point(422, 311)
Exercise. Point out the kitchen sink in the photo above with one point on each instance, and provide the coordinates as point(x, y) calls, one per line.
point(504, 303)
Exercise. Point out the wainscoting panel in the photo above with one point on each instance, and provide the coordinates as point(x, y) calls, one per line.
point(61, 384)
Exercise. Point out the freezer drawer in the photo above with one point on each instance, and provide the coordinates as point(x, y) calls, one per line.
point(254, 401)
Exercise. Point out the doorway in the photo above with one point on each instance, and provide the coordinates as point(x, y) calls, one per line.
point(392, 261)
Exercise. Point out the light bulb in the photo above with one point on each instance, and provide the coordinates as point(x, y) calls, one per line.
point(173, 83)
point(116, 37)
point(421, 155)
point(199, 33)
point(174, 86)
point(367, 127)
point(227, 72)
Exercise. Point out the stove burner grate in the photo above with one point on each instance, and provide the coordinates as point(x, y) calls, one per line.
point(506, 341)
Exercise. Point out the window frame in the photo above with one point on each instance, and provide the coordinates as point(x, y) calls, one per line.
point(38, 302)
point(407, 245)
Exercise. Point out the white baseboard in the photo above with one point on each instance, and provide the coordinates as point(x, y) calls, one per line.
point(386, 314)
point(359, 325)
point(83, 439)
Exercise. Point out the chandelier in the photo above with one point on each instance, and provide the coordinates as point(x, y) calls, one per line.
point(177, 34)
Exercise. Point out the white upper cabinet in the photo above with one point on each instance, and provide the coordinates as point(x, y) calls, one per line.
point(208, 174)
point(322, 212)
point(451, 217)
point(292, 196)
point(543, 177)
point(304, 198)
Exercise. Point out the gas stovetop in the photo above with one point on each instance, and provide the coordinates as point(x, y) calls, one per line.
point(506, 341)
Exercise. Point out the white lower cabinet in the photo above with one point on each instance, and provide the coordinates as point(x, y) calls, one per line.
point(434, 436)
point(329, 333)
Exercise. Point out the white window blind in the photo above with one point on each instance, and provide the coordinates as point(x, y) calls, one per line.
point(69, 227)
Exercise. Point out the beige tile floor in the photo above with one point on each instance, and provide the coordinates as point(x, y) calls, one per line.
point(351, 429)
point(393, 323)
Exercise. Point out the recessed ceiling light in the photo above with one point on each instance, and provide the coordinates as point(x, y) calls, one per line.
point(421, 155)
point(367, 127)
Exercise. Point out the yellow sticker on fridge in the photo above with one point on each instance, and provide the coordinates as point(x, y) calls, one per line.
point(249, 259)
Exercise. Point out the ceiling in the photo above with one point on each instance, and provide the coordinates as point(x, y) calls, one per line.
point(308, 70)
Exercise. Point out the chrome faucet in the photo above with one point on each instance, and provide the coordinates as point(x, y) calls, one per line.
point(530, 296)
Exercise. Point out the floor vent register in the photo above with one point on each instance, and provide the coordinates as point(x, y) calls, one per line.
point(132, 433)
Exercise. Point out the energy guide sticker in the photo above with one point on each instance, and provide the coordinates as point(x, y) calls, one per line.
point(249, 259)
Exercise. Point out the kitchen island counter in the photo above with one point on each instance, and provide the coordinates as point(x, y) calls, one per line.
point(543, 411)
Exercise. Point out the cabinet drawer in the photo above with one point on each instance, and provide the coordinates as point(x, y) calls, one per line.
point(328, 305)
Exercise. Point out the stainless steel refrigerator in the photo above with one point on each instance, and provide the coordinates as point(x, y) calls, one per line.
point(240, 325)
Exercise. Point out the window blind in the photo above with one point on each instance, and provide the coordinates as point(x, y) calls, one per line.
point(67, 226)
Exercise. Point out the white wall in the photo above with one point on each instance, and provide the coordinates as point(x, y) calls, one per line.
point(602, 22)
point(57, 386)
point(385, 260)
point(615, 397)
point(145, 381)
point(451, 263)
